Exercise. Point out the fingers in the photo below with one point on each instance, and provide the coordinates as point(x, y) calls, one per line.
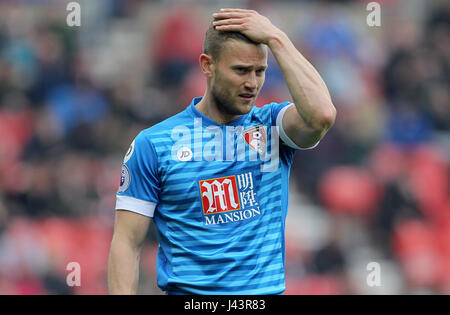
point(232, 13)
point(231, 19)
point(228, 22)
point(228, 15)
point(237, 10)
point(232, 28)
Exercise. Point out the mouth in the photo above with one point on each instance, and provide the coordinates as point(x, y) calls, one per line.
point(246, 96)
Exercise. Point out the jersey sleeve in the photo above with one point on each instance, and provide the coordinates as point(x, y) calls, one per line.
point(139, 185)
point(278, 112)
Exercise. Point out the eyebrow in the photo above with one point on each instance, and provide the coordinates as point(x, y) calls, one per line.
point(248, 67)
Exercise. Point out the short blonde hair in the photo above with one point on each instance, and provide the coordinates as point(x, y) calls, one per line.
point(214, 40)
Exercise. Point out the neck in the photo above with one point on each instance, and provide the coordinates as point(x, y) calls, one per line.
point(208, 107)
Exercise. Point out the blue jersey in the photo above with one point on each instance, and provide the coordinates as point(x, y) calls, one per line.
point(218, 195)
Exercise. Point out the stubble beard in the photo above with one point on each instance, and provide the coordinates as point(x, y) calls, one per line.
point(225, 104)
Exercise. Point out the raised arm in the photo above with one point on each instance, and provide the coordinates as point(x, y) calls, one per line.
point(130, 230)
point(314, 113)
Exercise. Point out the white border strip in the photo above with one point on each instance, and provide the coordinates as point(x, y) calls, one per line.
point(143, 207)
point(283, 134)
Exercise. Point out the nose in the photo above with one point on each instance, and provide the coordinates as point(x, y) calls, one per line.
point(251, 83)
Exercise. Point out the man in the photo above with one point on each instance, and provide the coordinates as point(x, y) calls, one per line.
point(215, 176)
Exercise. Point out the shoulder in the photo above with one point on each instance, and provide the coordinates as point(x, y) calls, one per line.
point(163, 130)
point(269, 111)
point(165, 126)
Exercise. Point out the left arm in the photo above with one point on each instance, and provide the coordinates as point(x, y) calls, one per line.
point(314, 113)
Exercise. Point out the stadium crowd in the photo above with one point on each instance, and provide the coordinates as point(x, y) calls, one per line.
point(376, 189)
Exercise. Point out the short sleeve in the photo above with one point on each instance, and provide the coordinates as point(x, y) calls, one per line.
point(139, 185)
point(278, 111)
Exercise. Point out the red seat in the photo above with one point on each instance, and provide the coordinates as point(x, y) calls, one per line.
point(349, 190)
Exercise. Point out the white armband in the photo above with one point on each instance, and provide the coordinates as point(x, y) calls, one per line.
point(283, 134)
point(143, 207)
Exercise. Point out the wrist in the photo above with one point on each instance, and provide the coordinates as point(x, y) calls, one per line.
point(277, 40)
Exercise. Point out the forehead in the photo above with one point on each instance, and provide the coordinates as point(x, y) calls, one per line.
point(239, 52)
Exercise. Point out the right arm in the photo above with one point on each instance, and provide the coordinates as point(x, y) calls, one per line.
point(130, 230)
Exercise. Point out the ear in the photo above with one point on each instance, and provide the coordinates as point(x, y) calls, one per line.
point(206, 64)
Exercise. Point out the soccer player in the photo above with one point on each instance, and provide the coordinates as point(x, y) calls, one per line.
point(214, 177)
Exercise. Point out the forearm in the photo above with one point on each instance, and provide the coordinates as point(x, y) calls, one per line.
point(123, 267)
point(307, 88)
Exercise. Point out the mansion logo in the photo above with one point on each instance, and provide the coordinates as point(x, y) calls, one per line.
point(229, 199)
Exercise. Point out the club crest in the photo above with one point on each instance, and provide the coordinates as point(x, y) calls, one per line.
point(256, 138)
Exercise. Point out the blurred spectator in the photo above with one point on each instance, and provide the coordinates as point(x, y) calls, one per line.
point(75, 105)
point(177, 45)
